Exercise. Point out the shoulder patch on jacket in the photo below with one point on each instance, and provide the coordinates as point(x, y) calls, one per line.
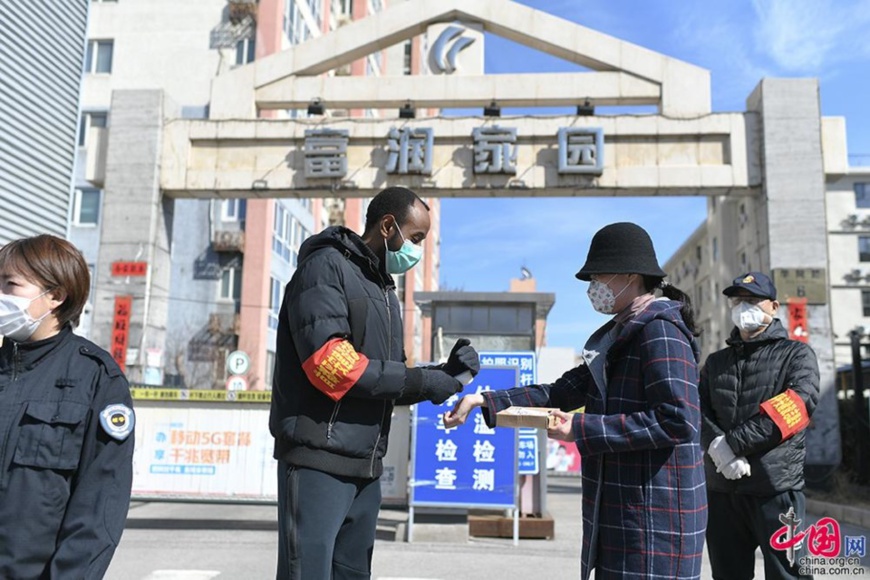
point(102, 357)
point(117, 421)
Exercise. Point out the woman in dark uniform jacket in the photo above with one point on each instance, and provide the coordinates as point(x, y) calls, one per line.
point(66, 421)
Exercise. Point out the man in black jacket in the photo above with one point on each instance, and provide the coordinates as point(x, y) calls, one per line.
point(757, 397)
point(339, 369)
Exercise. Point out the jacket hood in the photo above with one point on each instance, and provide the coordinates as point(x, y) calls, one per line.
point(775, 331)
point(659, 309)
point(349, 243)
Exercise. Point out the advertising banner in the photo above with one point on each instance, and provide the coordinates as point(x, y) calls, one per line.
point(204, 451)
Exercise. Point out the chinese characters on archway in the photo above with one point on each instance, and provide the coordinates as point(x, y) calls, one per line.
point(410, 151)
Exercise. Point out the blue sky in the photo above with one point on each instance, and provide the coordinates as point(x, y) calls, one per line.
point(485, 242)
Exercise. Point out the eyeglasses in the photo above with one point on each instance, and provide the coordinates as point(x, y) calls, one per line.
point(753, 300)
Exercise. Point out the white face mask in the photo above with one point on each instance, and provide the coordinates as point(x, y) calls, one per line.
point(15, 321)
point(603, 299)
point(748, 317)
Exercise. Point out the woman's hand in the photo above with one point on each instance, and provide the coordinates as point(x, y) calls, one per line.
point(461, 409)
point(564, 430)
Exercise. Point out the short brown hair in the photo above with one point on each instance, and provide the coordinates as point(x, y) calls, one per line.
point(54, 264)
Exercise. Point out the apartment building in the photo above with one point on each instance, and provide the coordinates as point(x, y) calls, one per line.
point(731, 242)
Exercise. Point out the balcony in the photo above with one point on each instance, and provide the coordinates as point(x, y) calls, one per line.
point(228, 241)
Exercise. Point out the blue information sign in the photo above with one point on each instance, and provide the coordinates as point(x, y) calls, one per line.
point(526, 363)
point(528, 453)
point(467, 466)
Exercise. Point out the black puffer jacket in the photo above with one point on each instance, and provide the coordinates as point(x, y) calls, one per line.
point(339, 290)
point(735, 381)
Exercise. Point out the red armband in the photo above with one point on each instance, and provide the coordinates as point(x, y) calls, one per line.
point(335, 368)
point(788, 411)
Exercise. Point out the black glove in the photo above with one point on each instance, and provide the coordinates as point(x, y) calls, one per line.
point(462, 358)
point(430, 384)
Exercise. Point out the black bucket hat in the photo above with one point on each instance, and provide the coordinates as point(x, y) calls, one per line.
point(621, 248)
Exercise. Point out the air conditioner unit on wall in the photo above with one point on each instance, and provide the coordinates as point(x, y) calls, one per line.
point(241, 9)
point(229, 241)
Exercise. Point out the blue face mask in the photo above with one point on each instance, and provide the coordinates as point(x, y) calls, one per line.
point(404, 258)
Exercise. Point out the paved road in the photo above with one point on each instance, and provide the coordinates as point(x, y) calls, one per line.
point(166, 541)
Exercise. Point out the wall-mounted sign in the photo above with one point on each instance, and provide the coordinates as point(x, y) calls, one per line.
point(809, 283)
point(121, 329)
point(797, 320)
point(129, 268)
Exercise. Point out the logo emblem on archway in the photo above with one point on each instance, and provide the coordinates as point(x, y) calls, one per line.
point(448, 45)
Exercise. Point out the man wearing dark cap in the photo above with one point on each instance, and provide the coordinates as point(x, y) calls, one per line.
point(757, 397)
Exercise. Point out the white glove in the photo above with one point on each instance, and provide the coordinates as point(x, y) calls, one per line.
point(720, 452)
point(739, 467)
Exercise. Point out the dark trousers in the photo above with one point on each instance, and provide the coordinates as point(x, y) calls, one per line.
point(326, 524)
point(738, 524)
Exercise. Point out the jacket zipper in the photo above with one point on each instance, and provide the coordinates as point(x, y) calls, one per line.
point(14, 361)
point(332, 420)
point(377, 442)
point(389, 351)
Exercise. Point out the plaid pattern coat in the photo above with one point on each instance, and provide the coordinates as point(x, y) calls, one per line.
point(644, 497)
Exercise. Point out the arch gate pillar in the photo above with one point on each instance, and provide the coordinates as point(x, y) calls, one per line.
point(793, 199)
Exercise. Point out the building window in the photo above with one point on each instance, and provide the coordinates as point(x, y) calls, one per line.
point(231, 284)
point(715, 249)
point(233, 210)
point(406, 65)
point(316, 8)
point(89, 120)
point(270, 368)
point(288, 235)
point(865, 302)
point(86, 207)
point(294, 25)
point(246, 50)
point(274, 303)
point(99, 56)
point(280, 233)
point(864, 248)
point(862, 195)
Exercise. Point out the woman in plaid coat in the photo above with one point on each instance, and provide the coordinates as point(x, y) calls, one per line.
point(644, 499)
